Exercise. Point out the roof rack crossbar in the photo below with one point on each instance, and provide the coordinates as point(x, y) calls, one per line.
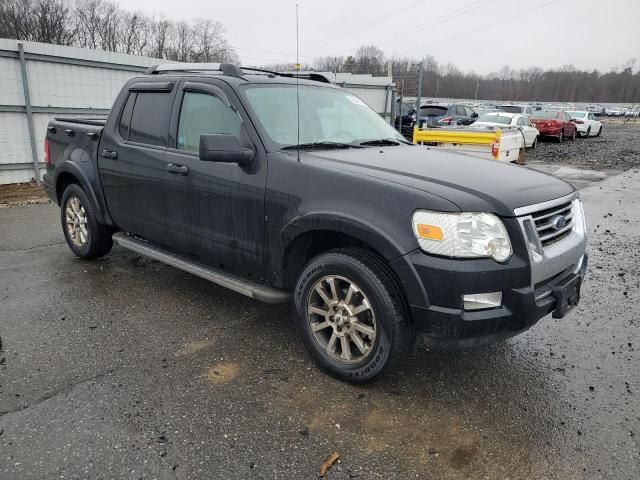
point(227, 69)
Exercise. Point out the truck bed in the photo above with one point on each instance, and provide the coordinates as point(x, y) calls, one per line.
point(75, 140)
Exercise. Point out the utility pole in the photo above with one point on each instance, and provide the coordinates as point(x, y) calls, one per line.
point(419, 93)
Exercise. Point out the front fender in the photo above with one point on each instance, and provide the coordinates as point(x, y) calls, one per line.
point(368, 234)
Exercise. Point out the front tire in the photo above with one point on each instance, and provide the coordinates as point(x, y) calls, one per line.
point(86, 237)
point(599, 131)
point(573, 137)
point(561, 136)
point(351, 315)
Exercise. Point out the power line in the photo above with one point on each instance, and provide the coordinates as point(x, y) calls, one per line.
point(479, 28)
point(455, 14)
point(346, 16)
point(369, 24)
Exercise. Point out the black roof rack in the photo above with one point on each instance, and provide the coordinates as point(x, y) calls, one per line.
point(227, 69)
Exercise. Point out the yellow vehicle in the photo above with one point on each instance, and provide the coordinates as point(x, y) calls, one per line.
point(501, 144)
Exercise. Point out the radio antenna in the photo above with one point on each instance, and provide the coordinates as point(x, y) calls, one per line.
point(298, 80)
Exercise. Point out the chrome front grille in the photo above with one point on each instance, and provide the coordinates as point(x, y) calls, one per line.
point(553, 224)
point(553, 246)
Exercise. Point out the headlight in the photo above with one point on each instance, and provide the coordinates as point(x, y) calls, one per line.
point(462, 235)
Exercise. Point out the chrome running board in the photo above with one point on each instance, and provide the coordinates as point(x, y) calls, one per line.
point(250, 289)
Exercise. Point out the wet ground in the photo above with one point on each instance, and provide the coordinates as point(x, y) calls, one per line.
point(126, 368)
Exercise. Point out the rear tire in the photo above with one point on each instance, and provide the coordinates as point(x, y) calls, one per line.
point(534, 144)
point(588, 132)
point(561, 136)
point(351, 315)
point(599, 131)
point(86, 237)
point(573, 137)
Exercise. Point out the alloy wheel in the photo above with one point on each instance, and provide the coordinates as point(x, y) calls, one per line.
point(341, 319)
point(75, 218)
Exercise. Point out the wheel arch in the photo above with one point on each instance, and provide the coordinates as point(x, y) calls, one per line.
point(308, 236)
point(68, 174)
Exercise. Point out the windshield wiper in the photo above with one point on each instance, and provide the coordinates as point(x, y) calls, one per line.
point(325, 145)
point(383, 142)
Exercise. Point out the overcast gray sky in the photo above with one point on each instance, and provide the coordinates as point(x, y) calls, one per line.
point(480, 35)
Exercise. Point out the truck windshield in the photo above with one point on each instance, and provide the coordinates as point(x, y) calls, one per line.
point(327, 116)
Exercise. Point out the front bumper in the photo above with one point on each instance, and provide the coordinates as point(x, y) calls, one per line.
point(531, 287)
point(452, 328)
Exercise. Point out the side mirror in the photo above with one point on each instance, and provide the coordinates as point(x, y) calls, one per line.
point(474, 115)
point(215, 147)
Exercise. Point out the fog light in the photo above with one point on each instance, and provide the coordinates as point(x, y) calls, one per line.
point(479, 301)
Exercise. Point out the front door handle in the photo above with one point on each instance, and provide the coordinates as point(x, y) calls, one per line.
point(175, 168)
point(110, 154)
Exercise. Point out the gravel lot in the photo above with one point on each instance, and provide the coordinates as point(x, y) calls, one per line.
point(126, 368)
point(618, 148)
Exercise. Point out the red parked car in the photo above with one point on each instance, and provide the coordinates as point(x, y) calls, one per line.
point(554, 123)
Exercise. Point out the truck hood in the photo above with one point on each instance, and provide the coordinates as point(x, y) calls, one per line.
point(471, 183)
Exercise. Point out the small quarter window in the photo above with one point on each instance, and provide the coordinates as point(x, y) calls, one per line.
point(125, 119)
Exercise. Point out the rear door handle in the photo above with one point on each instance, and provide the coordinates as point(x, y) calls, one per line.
point(175, 168)
point(110, 154)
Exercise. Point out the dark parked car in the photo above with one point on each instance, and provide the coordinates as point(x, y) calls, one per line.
point(372, 239)
point(439, 115)
point(554, 123)
point(405, 118)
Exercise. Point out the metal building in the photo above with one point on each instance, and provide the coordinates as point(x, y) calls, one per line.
point(39, 81)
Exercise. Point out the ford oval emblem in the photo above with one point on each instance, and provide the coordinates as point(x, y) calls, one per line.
point(558, 222)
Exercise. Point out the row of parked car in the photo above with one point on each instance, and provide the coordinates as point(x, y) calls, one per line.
point(534, 123)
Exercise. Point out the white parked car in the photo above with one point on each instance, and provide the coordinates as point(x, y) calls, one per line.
point(512, 120)
point(586, 123)
point(512, 108)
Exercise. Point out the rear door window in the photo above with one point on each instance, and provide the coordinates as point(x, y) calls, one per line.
point(461, 111)
point(150, 118)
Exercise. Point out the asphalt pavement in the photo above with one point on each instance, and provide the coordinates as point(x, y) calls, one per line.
point(125, 368)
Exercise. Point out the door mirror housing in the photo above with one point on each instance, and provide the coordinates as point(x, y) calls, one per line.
point(224, 148)
point(474, 115)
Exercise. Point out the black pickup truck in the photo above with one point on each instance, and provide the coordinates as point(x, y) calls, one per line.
point(292, 190)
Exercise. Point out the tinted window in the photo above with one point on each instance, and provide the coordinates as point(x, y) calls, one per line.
point(433, 111)
point(511, 108)
point(150, 119)
point(202, 113)
point(545, 115)
point(461, 111)
point(125, 119)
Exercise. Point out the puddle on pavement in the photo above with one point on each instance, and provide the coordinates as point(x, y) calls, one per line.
point(431, 437)
point(222, 373)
